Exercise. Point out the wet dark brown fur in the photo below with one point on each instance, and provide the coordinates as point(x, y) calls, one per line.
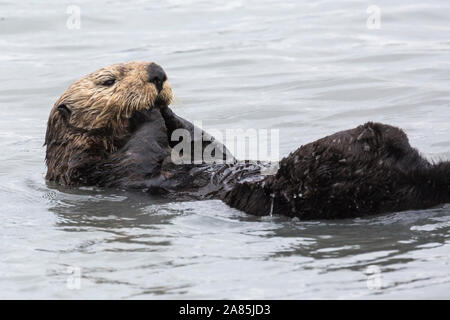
point(367, 170)
point(112, 128)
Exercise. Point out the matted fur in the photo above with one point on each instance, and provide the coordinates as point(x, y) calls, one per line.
point(90, 120)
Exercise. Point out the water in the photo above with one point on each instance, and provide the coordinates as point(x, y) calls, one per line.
point(306, 68)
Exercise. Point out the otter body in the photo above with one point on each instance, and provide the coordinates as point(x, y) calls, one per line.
point(113, 128)
point(367, 170)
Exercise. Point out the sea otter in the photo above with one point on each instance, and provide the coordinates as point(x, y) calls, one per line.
point(113, 128)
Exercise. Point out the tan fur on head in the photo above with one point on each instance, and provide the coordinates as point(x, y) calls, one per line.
point(101, 101)
point(94, 104)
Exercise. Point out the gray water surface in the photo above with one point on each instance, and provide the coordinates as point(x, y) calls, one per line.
point(306, 68)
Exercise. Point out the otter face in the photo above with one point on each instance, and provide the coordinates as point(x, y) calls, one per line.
point(92, 117)
point(107, 96)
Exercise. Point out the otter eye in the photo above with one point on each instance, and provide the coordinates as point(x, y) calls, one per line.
point(109, 82)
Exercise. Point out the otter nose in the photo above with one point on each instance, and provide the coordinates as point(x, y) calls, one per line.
point(156, 75)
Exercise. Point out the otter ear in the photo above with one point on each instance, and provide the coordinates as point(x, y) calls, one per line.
point(64, 111)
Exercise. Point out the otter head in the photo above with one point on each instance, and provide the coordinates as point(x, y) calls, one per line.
point(92, 118)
